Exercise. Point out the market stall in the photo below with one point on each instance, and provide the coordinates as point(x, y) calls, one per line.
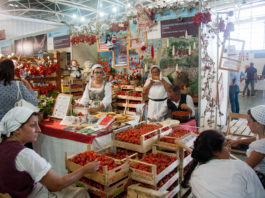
point(54, 141)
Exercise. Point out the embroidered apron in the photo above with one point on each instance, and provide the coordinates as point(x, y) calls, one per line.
point(96, 99)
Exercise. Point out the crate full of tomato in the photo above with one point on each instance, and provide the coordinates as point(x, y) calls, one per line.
point(100, 190)
point(109, 171)
point(140, 138)
point(154, 167)
point(177, 137)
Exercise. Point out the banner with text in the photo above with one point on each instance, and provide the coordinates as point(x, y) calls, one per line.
point(178, 27)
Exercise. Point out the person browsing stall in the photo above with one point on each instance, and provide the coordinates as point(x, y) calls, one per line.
point(213, 174)
point(98, 92)
point(156, 89)
point(256, 151)
point(176, 102)
point(9, 88)
point(23, 172)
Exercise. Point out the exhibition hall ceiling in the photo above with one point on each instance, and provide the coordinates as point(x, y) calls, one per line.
point(85, 11)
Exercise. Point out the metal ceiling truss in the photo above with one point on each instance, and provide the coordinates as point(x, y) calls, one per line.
point(61, 11)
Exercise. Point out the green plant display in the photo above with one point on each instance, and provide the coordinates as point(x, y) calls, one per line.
point(46, 104)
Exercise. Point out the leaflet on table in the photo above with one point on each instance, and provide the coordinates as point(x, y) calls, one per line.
point(69, 120)
point(90, 129)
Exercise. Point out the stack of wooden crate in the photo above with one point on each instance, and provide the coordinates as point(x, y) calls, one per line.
point(132, 96)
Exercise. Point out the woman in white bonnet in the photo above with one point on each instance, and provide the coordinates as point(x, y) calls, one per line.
point(256, 151)
point(98, 92)
point(156, 89)
point(25, 173)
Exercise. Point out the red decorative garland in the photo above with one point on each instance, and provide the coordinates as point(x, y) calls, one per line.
point(39, 70)
point(84, 38)
point(202, 18)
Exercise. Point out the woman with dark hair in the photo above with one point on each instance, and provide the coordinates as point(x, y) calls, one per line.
point(213, 174)
point(9, 88)
point(23, 172)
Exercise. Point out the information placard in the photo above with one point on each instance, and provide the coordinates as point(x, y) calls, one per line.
point(62, 105)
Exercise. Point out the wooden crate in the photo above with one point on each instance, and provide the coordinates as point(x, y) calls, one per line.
point(141, 192)
point(109, 191)
point(153, 178)
point(106, 178)
point(143, 147)
point(186, 142)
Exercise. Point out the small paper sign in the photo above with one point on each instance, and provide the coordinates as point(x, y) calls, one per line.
point(62, 105)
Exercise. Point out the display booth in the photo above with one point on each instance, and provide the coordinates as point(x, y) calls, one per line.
point(185, 41)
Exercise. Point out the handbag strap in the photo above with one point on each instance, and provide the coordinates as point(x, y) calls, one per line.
point(19, 91)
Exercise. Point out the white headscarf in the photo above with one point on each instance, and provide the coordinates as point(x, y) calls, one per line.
point(154, 66)
point(258, 113)
point(95, 67)
point(13, 120)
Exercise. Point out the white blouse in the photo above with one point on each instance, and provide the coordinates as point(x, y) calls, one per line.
point(157, 90)
point(225, 178)
point(258, 146)
point(107, 100)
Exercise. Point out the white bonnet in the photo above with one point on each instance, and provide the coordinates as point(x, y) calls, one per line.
point(13, 120)
point(155, 66)
point(258, 113)
point(96, 66)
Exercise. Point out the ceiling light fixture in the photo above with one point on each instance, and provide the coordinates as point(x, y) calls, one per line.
point(82, 19)
point(74, 16)
point(114, 9)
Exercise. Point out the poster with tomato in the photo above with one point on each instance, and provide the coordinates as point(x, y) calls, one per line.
point(121, 53)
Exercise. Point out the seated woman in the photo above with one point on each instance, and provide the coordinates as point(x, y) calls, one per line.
point(23, 172)
point(156, 90)
point(256, 151)
point(9, 88)
point(176, 102)
point(213, 174)
point(98, 93)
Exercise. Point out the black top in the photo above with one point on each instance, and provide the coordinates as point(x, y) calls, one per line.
point(173, 107)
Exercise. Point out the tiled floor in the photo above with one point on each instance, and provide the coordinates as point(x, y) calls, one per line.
point(246, 102)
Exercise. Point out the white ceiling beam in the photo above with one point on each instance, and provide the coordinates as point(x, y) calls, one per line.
point(4, 16)
point(34, 10)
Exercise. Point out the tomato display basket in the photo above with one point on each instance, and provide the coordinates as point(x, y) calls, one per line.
point(186, 141)
point(106, 178)
point(145, 144)
point(152, 177)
